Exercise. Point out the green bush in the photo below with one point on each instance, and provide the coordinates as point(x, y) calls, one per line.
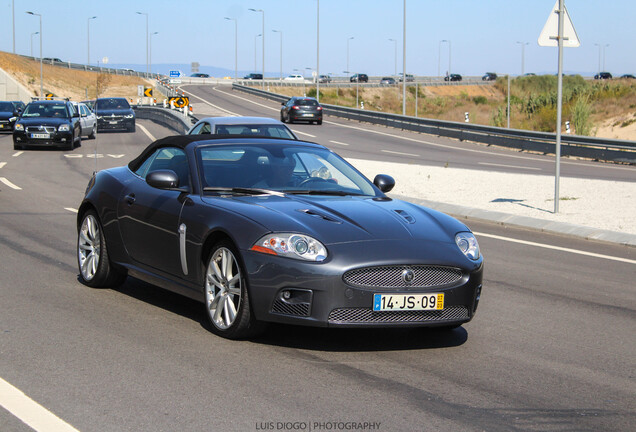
point(581, 116)
point(480, 100)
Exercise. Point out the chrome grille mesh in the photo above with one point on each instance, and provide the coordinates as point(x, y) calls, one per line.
point(298, 309)
point(40, 129)
point(368, 316)
point(392, 276)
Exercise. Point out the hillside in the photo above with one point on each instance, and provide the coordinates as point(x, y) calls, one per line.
point(74, 84)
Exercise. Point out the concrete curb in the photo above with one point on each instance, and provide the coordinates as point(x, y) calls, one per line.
point(562, 228)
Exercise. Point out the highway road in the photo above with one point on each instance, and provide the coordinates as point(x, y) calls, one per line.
point(552, 346)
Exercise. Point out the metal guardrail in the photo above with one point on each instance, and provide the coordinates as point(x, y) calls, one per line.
point(171, 119)
point(601, 149)
point(101, 69)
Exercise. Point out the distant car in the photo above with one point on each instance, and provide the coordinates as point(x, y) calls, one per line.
point(200, 75)
point(9, 113)
point(301, 109)
point(359, 78)
point(52, 60)
point(628, 76)
point(453, 77)
point(253, 76)
point(603, 76)
point(88, 120)
point(294, 77)
point(48, 123)
point(489, 76)
point(114, 113)
point(324, 79)
point(386, 81)
point(409, 78)
point(242, 126)
point(529, 74)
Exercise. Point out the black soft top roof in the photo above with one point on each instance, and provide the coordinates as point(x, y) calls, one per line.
point(182, 141)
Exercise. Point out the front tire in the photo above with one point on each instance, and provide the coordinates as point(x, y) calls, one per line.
point(92, 255)
point(227, 301)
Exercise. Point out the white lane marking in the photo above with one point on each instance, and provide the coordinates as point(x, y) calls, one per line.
point(70, 209)
point(117, 156)
point(30, 412)
point(2, 164)
point(339, 143)
point(509, 166)
point(545, 246)
point(17, 154)
point(303, 133)
point(148, 134)
point(400, 153)
point(211, 104)
point(73, 156)
point(93, 156)
point(8, 183)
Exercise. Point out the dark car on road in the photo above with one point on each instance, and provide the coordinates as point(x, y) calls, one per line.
point(200, 75)
point(268, 230)
point(9, 113)
point(301, 109)
point(114, 113)
point(603, 76)
point(387, 81)
point(253, 76)
point(359, 78)
point(453, 77)
point(628, 76)
point(489, 76)
point(48, 123)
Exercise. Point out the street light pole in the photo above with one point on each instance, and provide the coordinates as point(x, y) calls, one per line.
point(523, 44)
point(150, 50)
point(41, 75)
point(281, 52)
point(318, 50)
point(599, 57)
point(255, 38)
point(404, 62)
point(147, 41)
point(606, 45)
point(263, 34)
point(348, 53)
point(395, 50)
point(88, 40)
point(33, 34)
point(235, 46)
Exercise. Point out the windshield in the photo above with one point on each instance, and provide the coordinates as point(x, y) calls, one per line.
point(277, 131)
point(288, 169)
point(35, 109)
point(114, 103)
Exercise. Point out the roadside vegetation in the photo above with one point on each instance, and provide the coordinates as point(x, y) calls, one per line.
point(586, 104)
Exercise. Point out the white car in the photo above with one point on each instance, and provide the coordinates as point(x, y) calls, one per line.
point(88, 120)
point(294, 77)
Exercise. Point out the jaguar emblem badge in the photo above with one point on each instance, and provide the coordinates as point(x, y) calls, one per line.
point(408, 276)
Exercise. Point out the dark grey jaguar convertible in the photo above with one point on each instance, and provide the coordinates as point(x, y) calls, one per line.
point(273, 230)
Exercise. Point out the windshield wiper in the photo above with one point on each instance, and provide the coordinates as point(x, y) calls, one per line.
point(242, 191)
point(321, 192)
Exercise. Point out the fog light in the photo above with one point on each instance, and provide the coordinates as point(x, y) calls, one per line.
point(286, 294)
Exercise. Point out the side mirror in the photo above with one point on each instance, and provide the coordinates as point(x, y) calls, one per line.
point(163, 179)
point(283, 103)
point(384, 182)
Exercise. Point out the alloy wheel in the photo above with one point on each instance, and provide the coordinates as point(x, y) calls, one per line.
point(223, 284)
point(89, 247)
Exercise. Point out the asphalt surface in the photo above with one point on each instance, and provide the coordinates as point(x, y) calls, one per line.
point(551, 347)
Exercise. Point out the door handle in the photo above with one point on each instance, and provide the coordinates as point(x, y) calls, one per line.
point(130, 198)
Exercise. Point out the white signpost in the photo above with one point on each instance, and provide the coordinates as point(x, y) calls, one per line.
point(558, 31)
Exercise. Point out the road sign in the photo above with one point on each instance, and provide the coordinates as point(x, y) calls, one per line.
point(180, 102)
point(175, 73)
point(49, 96)
point(148, 92)
point(549, 34)
point(140, 90)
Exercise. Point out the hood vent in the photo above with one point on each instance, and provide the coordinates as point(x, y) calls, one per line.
point(319, 215)
point(407, 217)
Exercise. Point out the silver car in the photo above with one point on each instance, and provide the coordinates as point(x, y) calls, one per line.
point(88, 121)
point(244, 126)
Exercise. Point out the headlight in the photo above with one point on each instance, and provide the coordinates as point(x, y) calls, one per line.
point(467, 243)
point(19, 127)
point(129, 115)
point(64, 128)
point(98, 117)
point(291, 245)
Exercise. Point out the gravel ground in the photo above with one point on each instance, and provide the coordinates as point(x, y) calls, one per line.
point(601, 204)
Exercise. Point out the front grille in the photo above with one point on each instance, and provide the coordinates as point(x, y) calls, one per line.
point(40, 129)
point(423, 276)
point(296, 309)
point(368, 316)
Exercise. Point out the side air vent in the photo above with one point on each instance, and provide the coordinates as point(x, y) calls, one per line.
point(407, 217)
point(316, 214)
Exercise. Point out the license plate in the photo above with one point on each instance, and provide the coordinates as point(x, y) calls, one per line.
point(399, 302)
point(112, 122)
point(42, 136)
point(308, 115)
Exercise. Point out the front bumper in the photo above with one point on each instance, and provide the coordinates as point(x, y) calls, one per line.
point(316, 294)
point(107, 123)
point(55, 139)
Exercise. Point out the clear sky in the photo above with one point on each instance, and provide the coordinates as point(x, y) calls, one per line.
point(483, 34)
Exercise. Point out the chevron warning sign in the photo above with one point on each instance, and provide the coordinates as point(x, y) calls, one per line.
point(180, 102)
point(148, 91)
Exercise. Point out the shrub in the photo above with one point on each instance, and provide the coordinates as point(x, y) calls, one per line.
point(581, 116)
point(480, 100)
